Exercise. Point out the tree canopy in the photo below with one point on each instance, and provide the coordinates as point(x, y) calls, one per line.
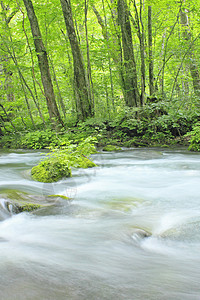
point(66, 61)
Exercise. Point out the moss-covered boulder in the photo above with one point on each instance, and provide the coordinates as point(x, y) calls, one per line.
point(111, 148)
point(50, 170)
point(84, 162)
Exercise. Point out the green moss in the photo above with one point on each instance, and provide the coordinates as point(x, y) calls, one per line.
point(84, 163)
point(28, 207)
point(13, 194)
point(110, 148)
point(60, 196)
point(50, 170)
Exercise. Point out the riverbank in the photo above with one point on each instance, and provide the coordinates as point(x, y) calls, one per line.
point(104, 134)
point(154, 125)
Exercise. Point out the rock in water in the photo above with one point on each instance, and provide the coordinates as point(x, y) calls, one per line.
point(141, 233)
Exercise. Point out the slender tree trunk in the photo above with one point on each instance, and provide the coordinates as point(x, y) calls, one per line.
point(7, 116)
point(35, 98)
point(8, 84)
point(43, 65)
point(22, 79)
point(181, 64)
point(60, 99)
point(83, 104)
point(165, 45)
point(109, 59)
point(151, 74)
point(1, 132)
point(111, 53)
point(115, 50)
point(140, 29)
point(89, 70)
point(192, 59)
point(130, 74)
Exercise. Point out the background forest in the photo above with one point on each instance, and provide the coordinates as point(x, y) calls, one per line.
point(123, 70)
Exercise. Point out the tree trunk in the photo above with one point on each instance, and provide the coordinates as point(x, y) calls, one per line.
point(43, 65)
point(140, 29)
point(192, 59)
point(8, 84)
point(7, 117)
point(89, 70)
point(83, 104)
point(151, 75)
point(130, 74)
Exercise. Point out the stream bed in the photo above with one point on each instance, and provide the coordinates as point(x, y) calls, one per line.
point(92, 246)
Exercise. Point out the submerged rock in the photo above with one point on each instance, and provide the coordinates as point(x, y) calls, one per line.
point(124, 204)
point(17, 201)
point(111, 148)
point(141, 233)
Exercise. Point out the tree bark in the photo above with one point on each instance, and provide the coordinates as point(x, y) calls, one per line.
point(140, 29)
point(151, 75)
point(89, 69)
point(43, 65)
point(130, 74)
point(83, 104)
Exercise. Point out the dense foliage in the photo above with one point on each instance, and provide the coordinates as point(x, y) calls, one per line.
point(128, 73)
point(194, 136)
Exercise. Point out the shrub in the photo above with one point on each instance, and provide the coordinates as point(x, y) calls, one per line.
point(194, 136)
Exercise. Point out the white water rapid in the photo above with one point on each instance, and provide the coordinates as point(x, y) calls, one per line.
point(131, 230)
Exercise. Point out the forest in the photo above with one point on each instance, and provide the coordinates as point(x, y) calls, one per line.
point(118, 70)
point(99, 149)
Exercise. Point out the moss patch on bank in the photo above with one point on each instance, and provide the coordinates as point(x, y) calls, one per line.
point(110, 148)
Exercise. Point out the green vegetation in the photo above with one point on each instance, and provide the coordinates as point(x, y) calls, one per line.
point(110, 148)
point(28, 207)
point(50, 170)
point(59, 161)
point(194, 136)
point(124, 72)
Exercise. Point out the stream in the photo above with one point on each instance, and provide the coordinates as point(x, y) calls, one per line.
point(91, 247)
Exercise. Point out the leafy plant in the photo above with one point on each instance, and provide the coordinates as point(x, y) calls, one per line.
point(194, 138)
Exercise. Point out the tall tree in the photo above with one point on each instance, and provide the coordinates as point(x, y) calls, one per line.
point(151, 75)
point(43, 65)
point(130, 74)
point(82, 92)
point(140, 28)
point(187, 35)
point(7, 16)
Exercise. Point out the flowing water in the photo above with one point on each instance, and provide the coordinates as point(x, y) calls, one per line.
point(92, 247)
